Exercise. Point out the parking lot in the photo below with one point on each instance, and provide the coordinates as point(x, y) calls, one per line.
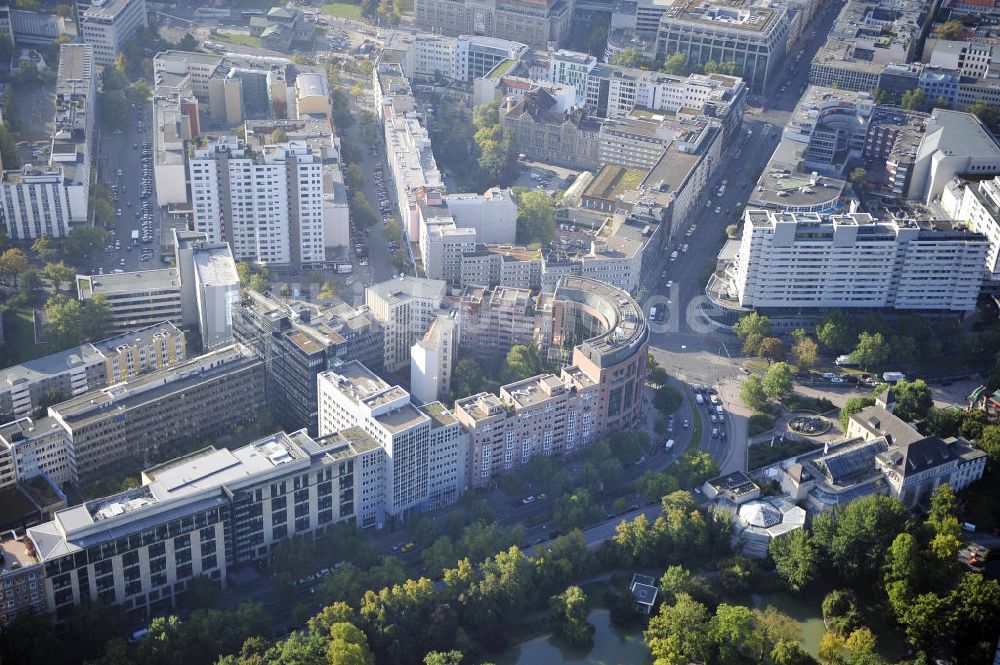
point(127, 168)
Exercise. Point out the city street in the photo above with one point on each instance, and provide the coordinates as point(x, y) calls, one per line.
point(122, 153)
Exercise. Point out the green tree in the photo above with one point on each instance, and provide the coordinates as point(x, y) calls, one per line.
point(84, 241)
point(655, 485)
point(536, 217)
point(348, 646)
point(856, 536)
point(569, 617)
point(46, 248)
point(772, 348)
point(778, 381)
point(57, 274)
point(952, 30)
point(523, 361)
point(796, 559)
point(443, 658)
point(984, 111)
point(790, 653)
point(836, 332)
point(9, 154)
point(629, 57)
point(729, 629)
point(976, 613)
point(752, 392)
point(486, 115)
point(676, 64)
point(187, 43)
point(913, 399)
point(851, 406)
point(752, 329)
point(576, 510)
point(770, 628)
point(497, 153)
point(13, 262)
point(989, 441)
point(806, 351)
point(362, 212)
point(871, 351)
point(914, 99)
point(840, 611)
point(354, 177)
point(943, 423)
point(678, 634)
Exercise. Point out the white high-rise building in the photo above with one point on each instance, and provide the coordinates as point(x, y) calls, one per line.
point(108, 24)
point(803, 260)
point(265, 200)
point(432, 359)
point(405, 307)
point(411, 439)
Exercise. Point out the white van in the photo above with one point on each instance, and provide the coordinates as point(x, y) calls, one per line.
point(652, 313)
point(668, 445)
point(699, 399)
point(719, 411)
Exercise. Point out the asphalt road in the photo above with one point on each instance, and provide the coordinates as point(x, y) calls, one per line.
point(124, 152)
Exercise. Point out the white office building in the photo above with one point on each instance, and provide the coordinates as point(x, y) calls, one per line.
point(198, 515)
point(210, 287)
point(46, 197)
point(265, 200)
point(432, 359)
point(954, 143)
point(405, 307)
point(410, 438)
point(34, 447)
point(788, 260)
point(108, 24)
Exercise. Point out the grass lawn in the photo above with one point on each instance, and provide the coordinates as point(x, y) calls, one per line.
point(341, 9)
point(19, 335)
point(245, 40)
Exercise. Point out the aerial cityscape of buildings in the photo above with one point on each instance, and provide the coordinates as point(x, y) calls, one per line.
point(326, 324)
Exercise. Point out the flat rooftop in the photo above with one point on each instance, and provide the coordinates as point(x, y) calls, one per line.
point(612, 181)
point(402, 418)
point(439, 414)
point(50, 365)
point(736, 15)
point(166, 279)
point(138, 338)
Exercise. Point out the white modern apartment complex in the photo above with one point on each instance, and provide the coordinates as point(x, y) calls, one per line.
point(405, 307)
point(754, 37)
point(353, 396)
point(854, 261)
point(265, 200)
point(202, 514)
point(108, 24)
point(47, 198)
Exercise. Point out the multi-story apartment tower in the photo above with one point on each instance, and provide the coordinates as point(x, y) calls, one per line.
point(753, 37)
point(405, 307)
point(423, 448)
point(600, 392)
point(804, 260)
point(108, 24)
point(265, 200)
point(297, 341)
point(192, 400)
